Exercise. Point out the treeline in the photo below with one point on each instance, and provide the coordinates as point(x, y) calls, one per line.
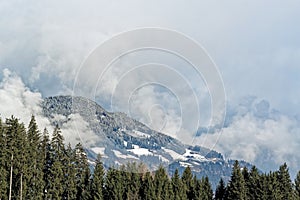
point(33, 166)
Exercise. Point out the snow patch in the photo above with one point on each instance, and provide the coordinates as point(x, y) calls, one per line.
point(120, 155)
point(140, 151)
point(99, 150)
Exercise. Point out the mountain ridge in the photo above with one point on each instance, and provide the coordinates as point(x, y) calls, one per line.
point(123, 140)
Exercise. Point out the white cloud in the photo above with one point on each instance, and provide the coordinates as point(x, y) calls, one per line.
point(266, 140)
point(77, 130)
point(18, 100)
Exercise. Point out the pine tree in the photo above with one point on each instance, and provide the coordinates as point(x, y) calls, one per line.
point(3, 170)
point(70, 190)
point(297, 186)
point(246, 176)
point(16, 157)
point(57, 158)
point(82, 173)
point(147, 191)
point(113, 185)
point(254, 184)
point(35, 162)
point(187, 180)
point(207, 193)
point(220, 190)
point(178, 189)
point(97, 180)
point(56, 188)
point(47, 162)
point(236, 187)
point(161, 181)
point(285, 183)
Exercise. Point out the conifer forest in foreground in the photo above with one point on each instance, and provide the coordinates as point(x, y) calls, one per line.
point(33, 166)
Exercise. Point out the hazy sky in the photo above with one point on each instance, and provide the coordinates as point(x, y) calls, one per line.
point(255, 44)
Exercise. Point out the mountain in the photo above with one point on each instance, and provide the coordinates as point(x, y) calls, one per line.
point(121, 139)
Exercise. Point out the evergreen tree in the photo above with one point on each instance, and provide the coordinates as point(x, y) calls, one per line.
point(3, 169)
point(206, 190)
point(97, 180)
point(187, 180)
point(254, 184)
point(113, 185)
point(16, 157)
point(147, 191)
point(70, 190)
point(246, 176)
point(56, 188)
point(35, 162)
point(297, 186)
point(236, 187)
point(47, 162)
point(178, 189)
point(285, 183)
point(56, 174)
point(161, 181)
point(82, 173)
point(220, 190)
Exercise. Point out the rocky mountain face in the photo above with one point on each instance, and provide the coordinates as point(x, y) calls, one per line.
point(123, 140)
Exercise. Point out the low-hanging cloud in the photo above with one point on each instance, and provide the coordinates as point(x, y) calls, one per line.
point(258, 134)
point(18, 100)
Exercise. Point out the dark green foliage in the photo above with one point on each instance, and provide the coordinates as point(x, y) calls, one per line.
point(206, 190)
point(220, 191)
point(70, 190)
point(236, 188)
point(285, 183)
point(178, 187)
point(161, 184)
point(82, 173)
point(147, 190)
point(33, 167)
point(297, 186)
point(35, 162)
point(113, 185)
point(188, 183)
point(97, 180)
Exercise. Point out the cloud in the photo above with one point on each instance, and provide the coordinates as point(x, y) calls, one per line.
point(259, 135)
point(77, 130)
point(46, 42)
point(18, 100)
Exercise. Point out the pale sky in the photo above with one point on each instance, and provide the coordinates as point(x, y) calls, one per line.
point(255, 45)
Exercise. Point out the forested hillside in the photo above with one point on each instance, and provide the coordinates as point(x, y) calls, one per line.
point(33, 166)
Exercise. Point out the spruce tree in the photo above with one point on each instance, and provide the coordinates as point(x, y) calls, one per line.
point(187, 180)
point(113, 185)
point(208, 192)
point(97, 180)
point(246, 176)
point(177, 185)
point(16, 157)
point(82, 173)
point(236, 187)
point(147, 191)
point(35, 162)
point(3, 169)
point(56, 187)
point(70, 190)
point(47, 162)
point(161, 181)
point(254, 184)
point(57, 158)
point(220, 190)
point(285, 183)
point(297, 186)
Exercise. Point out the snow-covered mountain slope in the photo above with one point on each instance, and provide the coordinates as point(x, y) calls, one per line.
point(121, 139)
